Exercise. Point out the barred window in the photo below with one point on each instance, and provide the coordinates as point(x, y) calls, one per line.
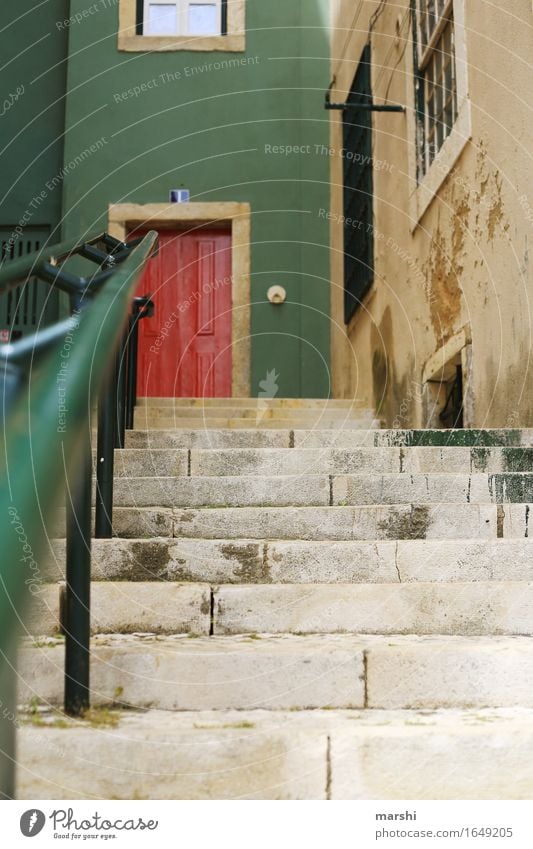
point(437, 108)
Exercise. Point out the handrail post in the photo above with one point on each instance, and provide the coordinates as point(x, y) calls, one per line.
point(131, 368)
point(143, 307)
point(105, 459)
point(76, 619)
point(121, 393)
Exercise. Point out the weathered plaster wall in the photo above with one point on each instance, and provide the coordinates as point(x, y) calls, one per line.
point(462, 272)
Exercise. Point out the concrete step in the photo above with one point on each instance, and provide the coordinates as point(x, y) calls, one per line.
point(401, 521)
point(334, 754)
point(314, 490)
point(404, 521)
point(256, 491)
point(319, 438)
point(180, 673)
point(211, 438)
point(291, 672)
point(172, 423)
point(468, 609)
point(241, 561)
point(287, 403)
point(333, 461)
point(369, 522)
point(453, 462)
point(126, 608)
point(257, 412)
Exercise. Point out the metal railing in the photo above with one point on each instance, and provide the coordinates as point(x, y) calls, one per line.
point(50, 382)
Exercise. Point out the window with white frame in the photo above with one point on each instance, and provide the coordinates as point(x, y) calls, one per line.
point(183, 17)
point(437, 78)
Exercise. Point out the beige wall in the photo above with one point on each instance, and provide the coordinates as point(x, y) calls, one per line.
point(453, 280)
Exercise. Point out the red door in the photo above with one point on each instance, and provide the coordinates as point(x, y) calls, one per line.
point(185, 348)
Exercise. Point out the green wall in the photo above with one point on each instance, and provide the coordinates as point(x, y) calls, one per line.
point(208, 132)
point(33, 52)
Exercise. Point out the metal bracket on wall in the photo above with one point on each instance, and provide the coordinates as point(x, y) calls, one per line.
point(366, 107)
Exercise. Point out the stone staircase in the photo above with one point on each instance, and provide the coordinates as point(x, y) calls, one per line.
point(297, 605)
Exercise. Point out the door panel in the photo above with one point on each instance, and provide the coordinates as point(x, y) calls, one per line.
point(185, 348)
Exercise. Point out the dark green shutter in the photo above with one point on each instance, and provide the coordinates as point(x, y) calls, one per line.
point(358, 191)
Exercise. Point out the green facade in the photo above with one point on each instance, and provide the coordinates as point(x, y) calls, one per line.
point(33, 123)
point(211, 122)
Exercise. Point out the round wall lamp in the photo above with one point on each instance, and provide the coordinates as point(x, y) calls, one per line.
point(276, 294)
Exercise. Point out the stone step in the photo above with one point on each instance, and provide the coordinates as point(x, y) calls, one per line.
point(255, 491)
point(319, 438)
point(290, 672)
point(140, 462)
point(282, 755)
point(241, 561)
point(211, 438)
point(314, 490)
point(180, 673)
point(405, 521)
point(370, 522)
point(123, 607)
point(468, 609)
point(333, 461)
point(161, 462)
point(171, 423)
point(288, 403)
point(260, 412)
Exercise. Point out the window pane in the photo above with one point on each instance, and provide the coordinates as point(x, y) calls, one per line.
point(431, 13)
point(440, 94)
point(204, 19)
point(162, 19)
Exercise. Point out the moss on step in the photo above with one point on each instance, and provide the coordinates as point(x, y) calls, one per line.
point(452, 438)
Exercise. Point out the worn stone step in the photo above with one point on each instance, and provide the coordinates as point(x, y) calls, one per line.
point(404, 521)
point(128, 522)
point(334, 754)
point(288, 403)
point(432, 488)
point(123, 607)
point(468, 609)
point(180, 673)
point(369, 522)
point(294, 490)
point(320, 438)
point(172, 423)
point(319, 490)
point(258, 412)
point(411, 460)
point(210, 438)
point(132, 462)
point(291, 672)
point(240, 561)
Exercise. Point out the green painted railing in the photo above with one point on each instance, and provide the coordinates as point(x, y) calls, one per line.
point(46, 432)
